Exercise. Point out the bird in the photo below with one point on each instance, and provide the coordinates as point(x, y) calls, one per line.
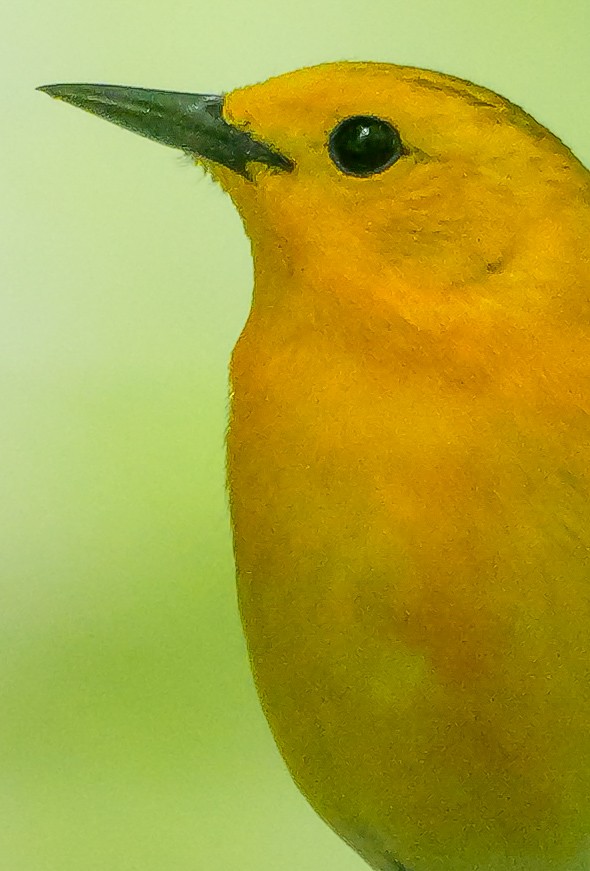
point(408, 452)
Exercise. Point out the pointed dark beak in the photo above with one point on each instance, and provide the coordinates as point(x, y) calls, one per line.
point(192, 122)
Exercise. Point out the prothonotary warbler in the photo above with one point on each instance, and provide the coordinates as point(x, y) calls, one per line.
point(409, 452)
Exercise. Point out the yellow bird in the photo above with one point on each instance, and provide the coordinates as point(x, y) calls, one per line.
point(409, 453)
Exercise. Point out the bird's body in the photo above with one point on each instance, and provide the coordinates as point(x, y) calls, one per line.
point(409, 466)
point(409, 469)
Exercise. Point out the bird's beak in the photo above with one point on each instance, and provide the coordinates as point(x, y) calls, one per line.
point(192, 122)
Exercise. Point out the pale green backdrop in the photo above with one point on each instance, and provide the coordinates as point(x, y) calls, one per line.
point(130, 736)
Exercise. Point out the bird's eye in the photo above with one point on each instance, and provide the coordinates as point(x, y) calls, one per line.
point(364, 145)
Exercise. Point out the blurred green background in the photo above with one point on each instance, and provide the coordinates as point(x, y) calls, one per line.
point(130, 735)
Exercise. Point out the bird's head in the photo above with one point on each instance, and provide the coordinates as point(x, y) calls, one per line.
point(410, 194)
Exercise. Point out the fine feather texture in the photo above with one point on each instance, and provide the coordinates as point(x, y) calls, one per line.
point(408, 465)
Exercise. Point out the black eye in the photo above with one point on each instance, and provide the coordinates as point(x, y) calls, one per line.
point(364, 145)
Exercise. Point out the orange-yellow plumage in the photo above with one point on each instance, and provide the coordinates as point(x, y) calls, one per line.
point(409, 468)
point(409, 453)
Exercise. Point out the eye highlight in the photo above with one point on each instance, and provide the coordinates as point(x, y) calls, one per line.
point(364, 145)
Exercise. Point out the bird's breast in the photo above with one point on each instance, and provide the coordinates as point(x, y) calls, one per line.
point(407, 595)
